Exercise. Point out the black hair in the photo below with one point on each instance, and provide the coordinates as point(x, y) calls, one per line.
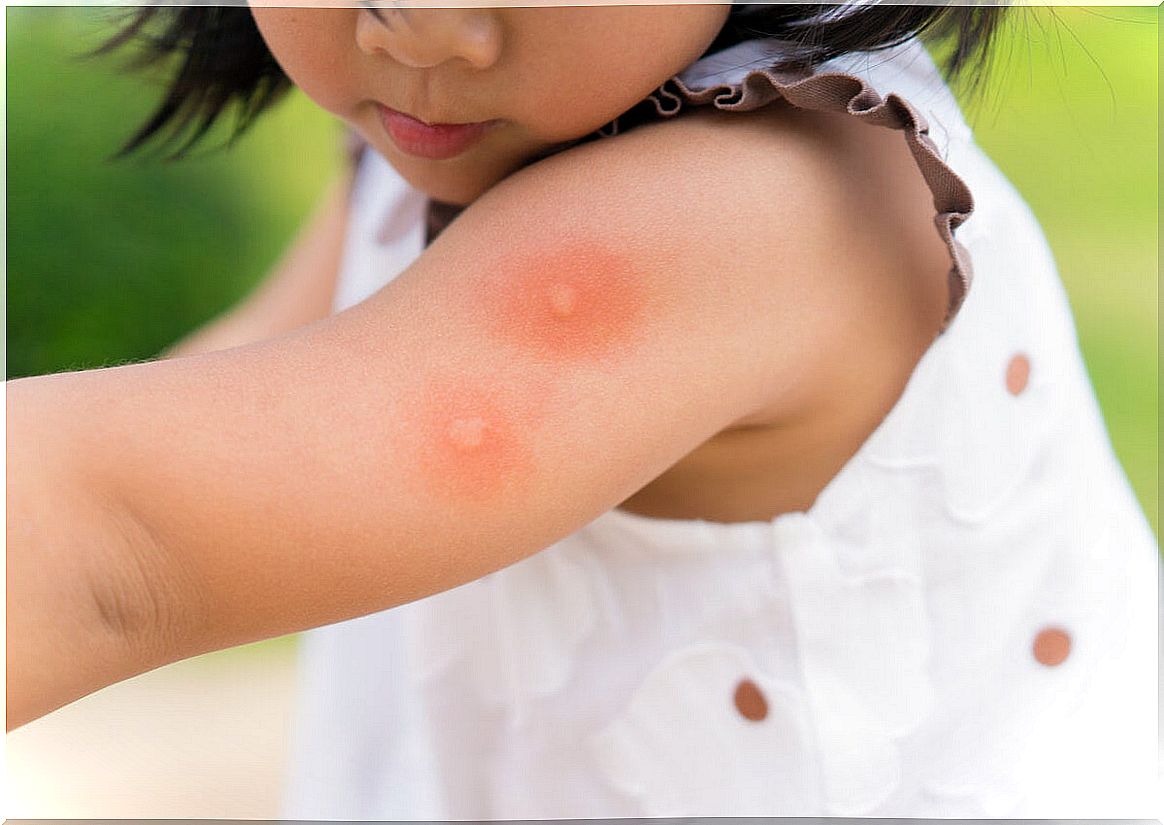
point(221, 62)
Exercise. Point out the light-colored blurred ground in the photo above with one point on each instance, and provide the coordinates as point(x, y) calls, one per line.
point(204, 738)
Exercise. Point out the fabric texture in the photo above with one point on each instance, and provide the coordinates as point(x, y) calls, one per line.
point(963, 624)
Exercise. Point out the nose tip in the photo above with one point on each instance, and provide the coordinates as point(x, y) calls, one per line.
point(480, 40)
point(424, 38)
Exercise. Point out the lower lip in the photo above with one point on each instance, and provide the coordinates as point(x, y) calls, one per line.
point(436, 142)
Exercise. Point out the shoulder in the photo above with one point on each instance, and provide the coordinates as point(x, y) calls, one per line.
point(811, 233)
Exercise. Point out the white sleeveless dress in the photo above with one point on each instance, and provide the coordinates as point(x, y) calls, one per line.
point(964, 624)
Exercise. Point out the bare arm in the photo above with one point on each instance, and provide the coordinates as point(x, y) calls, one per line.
point(298, 290)
point(491, 400)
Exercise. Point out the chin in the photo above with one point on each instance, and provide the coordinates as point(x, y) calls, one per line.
point(445, 185)
point(457, 193)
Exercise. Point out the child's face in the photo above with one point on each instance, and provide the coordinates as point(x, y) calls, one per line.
point(538, 76)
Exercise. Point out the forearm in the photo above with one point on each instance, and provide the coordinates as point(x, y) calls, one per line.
point(76, 600)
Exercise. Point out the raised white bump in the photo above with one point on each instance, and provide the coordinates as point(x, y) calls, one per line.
point(467, 432)
point(563, 298)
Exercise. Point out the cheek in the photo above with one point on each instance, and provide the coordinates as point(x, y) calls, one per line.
point(591, 65)
point(312, 46)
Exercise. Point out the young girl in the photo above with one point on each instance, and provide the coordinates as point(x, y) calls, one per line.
point(700, 431)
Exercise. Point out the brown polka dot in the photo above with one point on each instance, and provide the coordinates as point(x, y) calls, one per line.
point(1017, 373)
point(750, 702)
point(1051, 647)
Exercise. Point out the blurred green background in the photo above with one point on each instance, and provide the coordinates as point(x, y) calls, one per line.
point(110, 261)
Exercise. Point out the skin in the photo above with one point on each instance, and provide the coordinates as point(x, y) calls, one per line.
point(560, 348)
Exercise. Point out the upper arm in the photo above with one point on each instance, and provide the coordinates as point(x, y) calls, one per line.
point(576, 331)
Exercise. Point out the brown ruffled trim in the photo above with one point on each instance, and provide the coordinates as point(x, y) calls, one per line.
point(842, 92)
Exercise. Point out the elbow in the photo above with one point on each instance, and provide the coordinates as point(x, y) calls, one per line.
point(141, 601)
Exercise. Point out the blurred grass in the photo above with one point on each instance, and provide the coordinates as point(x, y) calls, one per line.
point(112, 261)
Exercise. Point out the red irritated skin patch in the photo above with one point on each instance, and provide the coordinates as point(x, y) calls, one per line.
point(471, 444)
point(577, 301)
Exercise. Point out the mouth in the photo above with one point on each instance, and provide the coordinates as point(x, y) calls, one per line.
point(435, 141)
